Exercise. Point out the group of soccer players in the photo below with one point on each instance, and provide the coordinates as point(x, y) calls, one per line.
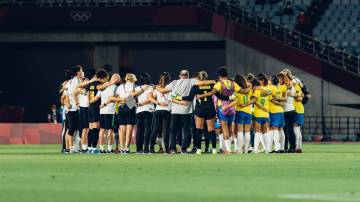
point(254, 113)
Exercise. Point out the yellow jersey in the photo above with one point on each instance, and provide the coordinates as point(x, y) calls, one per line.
point(277, 92)
point(299, 107)
point(262, 100)
point(243, 99)
point(227, 84)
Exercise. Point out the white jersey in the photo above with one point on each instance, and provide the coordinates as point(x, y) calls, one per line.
point(181, 87)
point(144, 97)
point(83, 98)
point(124, 91)
point(71, 86)
point(105, 95)
point(289, 105)
point(162, 98)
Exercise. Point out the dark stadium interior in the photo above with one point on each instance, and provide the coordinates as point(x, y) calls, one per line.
point(33, 80)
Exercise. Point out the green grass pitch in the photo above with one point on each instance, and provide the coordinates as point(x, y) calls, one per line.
point(41, 173)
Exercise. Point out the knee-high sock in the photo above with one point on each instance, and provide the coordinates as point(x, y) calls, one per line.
point(236, 144)
point(246, 142)
point(262, 142)
point(221, 142)
point(212, 139)
point(95, 137)
point(227, 145)
point(298, 136)
point(90, 136)
point(282, 139)
point(240, 137)
point(257, 142)
point(276, 140)
point(267, 141)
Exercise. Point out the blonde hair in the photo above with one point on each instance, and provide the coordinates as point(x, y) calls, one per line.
point(202, 75)
point(130, 77)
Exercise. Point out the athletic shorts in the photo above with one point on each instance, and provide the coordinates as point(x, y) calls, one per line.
point(217, 124)
point(243, 118)
point(106, 121)
point(73, 121)
point(94, 114)
point(126, 116)
point(226, 118)
point(261, 120)
point(277, 120)
point(84, 117)
point(299, 119)
point(205, 112)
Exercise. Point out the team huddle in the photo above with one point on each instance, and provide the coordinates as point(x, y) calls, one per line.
point(254, 113)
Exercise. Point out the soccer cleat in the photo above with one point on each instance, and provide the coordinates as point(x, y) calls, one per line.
point(206, 150)
point(172, 152)
point(146, 150)
point(127, 151)
point(117, 151)
point(184, 152)
point(198, 151)
point(152, 151)
point(193, 151)
point(214, 151)
point(102, 152)
point(221, 151)
point(291, 151)
point(84, 151)
point(161, 150)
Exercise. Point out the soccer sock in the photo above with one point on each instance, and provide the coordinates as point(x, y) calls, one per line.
point(227, 145)
point(102, 147)
point(240, 137)
point(298, 136)
point(256, 142)
point(95, 138)
point(247, 142)
point(261, 139)
point(207, 140)
point(282, 139)
point(109, 147)
point(276, 140)
point(198, 135)
point(84, 147)
point(161, 142)
point(267, 142)
point(212, 139)
point(236, 144)
point(90, 135)
point(221, 141)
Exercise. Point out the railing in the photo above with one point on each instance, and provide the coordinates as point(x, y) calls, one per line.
point(332, 127)
point(231, 10)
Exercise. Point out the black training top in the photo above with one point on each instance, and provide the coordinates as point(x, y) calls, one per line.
point(92, 93)
point(206, 101)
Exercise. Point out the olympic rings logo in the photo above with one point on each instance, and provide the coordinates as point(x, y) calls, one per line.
point(80, 16)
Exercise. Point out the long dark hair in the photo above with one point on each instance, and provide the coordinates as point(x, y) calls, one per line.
point(145, 79)
point(241, 80)
point(165, 79)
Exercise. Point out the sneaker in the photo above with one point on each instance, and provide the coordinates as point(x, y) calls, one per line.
point(146, 151)
point(152, 151)
point(193, 151)
point(127, 151)
point(206, 150)
point(198, 151)
point(172, 152)
point(214, 151)
point(102, 152)
point(84, 151)
point(161, 150)
point(111, 151)
point(184, 152)
point(67, 151)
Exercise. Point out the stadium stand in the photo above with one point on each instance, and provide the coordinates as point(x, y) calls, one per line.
point(340, 25)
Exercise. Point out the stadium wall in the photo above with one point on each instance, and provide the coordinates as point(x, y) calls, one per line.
point(243, 59)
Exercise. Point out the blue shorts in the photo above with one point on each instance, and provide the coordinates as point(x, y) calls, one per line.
point(243, 118)
point(217, 124)
point(277, 120)
point(226, 118)
point(262, 120)
point(299, 119)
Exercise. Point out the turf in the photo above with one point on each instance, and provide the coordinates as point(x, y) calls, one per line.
point(40, 173)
